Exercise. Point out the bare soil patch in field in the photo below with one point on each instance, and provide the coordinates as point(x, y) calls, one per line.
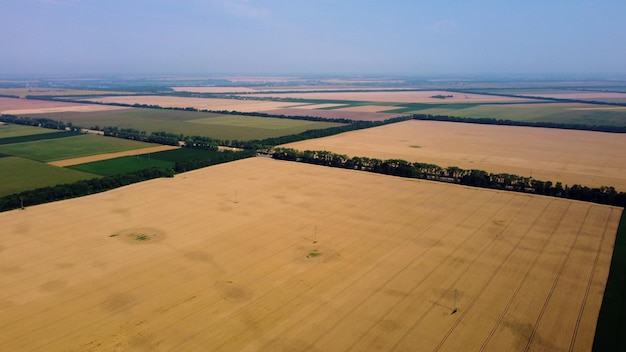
point(268, 255)
point(335, 114)
point(200, 103)
point(399, 97)
point(88, 159)
point(572, 157)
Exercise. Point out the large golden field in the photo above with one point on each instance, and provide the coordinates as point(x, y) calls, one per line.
point(587, 158)
point(265, 255)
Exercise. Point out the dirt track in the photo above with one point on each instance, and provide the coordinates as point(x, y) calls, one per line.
point(88, 159)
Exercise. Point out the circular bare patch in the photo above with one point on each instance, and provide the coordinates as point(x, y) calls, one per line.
point(139, 235)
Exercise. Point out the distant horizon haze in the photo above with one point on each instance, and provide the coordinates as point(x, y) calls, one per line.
point(331, 38)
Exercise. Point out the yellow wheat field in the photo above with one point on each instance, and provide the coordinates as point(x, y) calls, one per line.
point(587, 158)
point(265, 255)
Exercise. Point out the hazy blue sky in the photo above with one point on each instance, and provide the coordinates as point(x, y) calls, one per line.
point(312, 36)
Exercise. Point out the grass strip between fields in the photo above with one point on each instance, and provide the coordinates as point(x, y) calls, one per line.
point(611, 327)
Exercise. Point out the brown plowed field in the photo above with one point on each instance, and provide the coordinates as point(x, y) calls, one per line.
point(572, 157)
point(264, 255)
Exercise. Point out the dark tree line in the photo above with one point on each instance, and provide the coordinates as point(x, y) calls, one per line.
point(78, 189)
point(492, 121)
point(453, 174)
point(214, 159)
point(559, 100)
point(37, 122)
point(165, 138)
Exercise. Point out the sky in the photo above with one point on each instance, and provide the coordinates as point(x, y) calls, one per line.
point(312, 37)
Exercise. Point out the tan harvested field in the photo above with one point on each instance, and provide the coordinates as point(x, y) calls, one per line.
point(23, 92)
point(199, 103)
point(264, 255)
point(335, 114)
point(92, 158)
point(29, 106)
point(214, 89)
point(398, 97)
point(572, 157)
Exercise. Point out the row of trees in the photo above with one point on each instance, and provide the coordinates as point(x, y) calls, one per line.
point(78, 189)
point(504, 122)
point(453, 174)
point(216, 158)
point(559, 100)
point(38, 122)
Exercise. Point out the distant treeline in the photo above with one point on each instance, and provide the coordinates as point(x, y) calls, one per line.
point(560, 100)
point(223, 112)
point(37, 122)
point(78, 189)
point(453, 174)
point(201, 142)
point(492, 121)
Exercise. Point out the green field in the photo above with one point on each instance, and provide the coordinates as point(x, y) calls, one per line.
point(11, 130)
point(123, 165)
point(70, 147)
point(191, 123)
point(18, 174)
point(585, 114)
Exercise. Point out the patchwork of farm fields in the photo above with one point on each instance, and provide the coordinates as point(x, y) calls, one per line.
point(25, 150)
point(16, 106)
point(587, 158)
point(427, 96)
point(260, 254)
point(571, 113)
point(71, 147)
point(19, 174)
point(191, 123)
